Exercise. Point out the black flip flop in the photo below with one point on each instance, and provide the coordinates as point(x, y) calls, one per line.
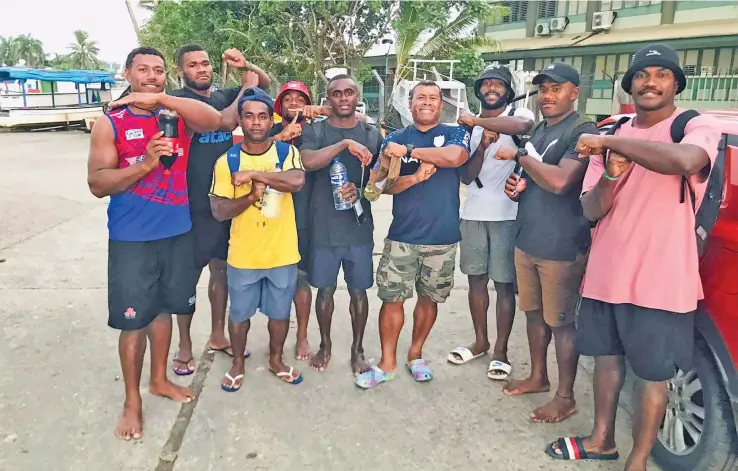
point(227, 350)
point(572, 449)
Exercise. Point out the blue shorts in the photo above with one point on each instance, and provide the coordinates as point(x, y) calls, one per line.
point(269, 290)
point(356, 260)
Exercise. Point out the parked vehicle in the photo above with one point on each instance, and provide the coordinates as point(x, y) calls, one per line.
point(700, 427)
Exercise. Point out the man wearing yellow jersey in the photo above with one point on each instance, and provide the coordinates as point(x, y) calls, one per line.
point(263, 252)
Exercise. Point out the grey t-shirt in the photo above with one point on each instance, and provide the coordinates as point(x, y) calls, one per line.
point(329, 227)
point(552, 226)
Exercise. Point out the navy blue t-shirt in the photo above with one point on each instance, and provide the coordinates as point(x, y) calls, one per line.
point(427, 213)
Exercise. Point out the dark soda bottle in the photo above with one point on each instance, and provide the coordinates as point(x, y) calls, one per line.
point(169, 125)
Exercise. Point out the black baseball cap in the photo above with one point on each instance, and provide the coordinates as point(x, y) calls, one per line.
point(559, 72)
point(255, 94)
point(499, 72)
point(655, 55)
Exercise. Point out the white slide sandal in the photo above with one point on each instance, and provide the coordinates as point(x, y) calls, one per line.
point(499, 370)
point(464, 353)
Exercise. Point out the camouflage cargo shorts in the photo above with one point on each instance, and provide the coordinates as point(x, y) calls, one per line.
point(428, 268)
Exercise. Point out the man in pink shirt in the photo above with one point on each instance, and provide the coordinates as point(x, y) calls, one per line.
point(642, 281)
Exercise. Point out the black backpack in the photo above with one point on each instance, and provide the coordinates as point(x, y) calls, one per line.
point(707, 214)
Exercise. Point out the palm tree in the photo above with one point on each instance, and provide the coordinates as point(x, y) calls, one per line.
point(26, 47)
point(84, 52)
point(423, 29)
point(6, 51)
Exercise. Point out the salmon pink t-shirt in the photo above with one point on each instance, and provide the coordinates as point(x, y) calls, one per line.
point(644, 251)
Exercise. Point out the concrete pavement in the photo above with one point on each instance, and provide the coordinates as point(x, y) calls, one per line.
point(61, 391)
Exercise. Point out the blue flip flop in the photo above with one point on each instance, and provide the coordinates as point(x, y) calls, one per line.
point(232, 387)
point(420, 369)
point(373, 377)
point(572, 449)
point(288, 376)
point(182, 371)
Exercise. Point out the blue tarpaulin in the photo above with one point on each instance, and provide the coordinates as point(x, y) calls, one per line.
point(75, 76)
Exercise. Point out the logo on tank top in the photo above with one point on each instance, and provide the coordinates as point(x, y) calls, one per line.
point(438, 141)
point(132, 134)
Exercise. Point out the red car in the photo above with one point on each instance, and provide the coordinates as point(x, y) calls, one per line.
point(700, 428)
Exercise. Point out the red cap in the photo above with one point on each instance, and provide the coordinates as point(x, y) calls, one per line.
point(293, 85)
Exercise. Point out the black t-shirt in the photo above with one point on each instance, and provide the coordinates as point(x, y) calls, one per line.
point(552, 226)
point(329, 227)
point(301, 199)
point(206, 148)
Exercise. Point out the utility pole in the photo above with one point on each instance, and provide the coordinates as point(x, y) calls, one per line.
point(133, 21)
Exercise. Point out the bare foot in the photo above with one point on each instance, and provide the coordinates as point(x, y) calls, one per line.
point(130, 423)
point(172, 391)
point(320, 360)
point(559, 409)
point(632, 464)
point(359, 363)
point(302, 350)
point(516, 387)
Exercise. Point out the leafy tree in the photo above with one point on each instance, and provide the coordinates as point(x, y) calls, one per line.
point(23, 47)
point(59, 61)
point(433, 29)
point(84, 52)
point(293, 40)
point(5, 50)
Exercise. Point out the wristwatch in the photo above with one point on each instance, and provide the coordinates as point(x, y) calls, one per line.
point(410, 148)
point(519, 153)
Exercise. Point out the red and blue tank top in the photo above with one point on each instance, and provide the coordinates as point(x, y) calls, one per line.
point(155, 207)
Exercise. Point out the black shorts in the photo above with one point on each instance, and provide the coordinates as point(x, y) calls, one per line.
point(654, 342)
point(210, 239)
point(146, 279)
point(303, 246)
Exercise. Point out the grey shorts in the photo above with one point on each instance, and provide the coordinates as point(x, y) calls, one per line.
point(488, 247)
point(269, 290)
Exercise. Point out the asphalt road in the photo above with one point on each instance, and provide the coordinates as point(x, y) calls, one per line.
point(60, 387)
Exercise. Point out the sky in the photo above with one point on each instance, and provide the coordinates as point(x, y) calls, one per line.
point(53, 22)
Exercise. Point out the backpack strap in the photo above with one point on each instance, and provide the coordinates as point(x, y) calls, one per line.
point(564, 142)
point(678, 127)
point(516, 139)
point(233, 157)
point(283, 151)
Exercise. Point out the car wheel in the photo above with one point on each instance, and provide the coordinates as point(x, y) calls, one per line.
point(698, 432)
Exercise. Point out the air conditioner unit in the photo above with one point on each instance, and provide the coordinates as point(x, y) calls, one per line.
point(543, 29)
point(559, 24)
point(707, 70)
point(602, 21)
point(690, 70)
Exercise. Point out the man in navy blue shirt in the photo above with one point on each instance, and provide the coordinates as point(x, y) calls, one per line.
point(420, 249)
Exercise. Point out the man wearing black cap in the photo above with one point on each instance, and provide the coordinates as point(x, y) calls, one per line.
point(253, 185)
point(642, 284)
point(553, 237)
point(488, 217)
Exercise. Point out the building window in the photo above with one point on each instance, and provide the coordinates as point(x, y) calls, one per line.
point(518, 11)
point(619, 4)
point(572, 7)
point(546, 8)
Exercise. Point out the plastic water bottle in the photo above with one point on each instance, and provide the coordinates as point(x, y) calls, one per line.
point(271, 202)
point(339, 177)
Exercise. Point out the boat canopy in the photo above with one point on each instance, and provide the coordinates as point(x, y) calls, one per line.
point(8, 74)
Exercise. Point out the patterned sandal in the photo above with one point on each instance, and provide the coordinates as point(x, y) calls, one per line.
point(373, 377)
point(420, 369)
